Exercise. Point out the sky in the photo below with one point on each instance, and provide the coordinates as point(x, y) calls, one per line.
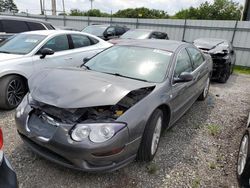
point(171, 6)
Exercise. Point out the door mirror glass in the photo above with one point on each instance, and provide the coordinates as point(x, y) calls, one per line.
point(184, 77)
point(46, 51)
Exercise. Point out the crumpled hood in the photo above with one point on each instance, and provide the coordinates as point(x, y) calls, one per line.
point(211, 45)
point(78, 88)
point(4, 57)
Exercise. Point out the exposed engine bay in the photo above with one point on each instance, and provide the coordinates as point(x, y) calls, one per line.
point(90, 114)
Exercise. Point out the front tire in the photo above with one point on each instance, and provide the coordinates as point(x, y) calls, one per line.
point(151, 137)
point(13, 89)
point(243, 161)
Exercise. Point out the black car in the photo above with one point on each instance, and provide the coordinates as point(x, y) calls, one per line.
point(106, 32)
point(10, 25)
point(243, 162)
point(8, 177)
point(141, 34)
point(223, 56)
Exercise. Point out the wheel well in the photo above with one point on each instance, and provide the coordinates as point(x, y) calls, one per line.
point(23, 78)
point(166, 113)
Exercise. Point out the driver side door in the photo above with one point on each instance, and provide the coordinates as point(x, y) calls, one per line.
point(62, 56)
point(182, 93)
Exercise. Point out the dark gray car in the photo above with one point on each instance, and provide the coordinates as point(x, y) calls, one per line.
point(223, 55)
point(112, 110)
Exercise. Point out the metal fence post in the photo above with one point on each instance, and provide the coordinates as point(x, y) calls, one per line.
point(64, 20)
point(88, 20)
point(234, 32)
point(184, 30)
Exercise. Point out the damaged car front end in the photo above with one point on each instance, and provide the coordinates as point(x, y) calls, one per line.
point(222, 54)
point(89, 139)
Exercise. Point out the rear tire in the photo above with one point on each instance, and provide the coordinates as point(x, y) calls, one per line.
point(205, 91)
point(13, 89)
point(151, 137)
point(243, 161)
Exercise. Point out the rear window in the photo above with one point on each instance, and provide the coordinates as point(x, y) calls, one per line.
point(35, 26)
point(13, 26)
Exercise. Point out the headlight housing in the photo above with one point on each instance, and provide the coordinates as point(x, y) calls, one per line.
point(96, 132)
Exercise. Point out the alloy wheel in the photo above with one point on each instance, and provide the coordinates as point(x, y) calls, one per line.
point(15, 92)
point(156, 136)
point(243, 154)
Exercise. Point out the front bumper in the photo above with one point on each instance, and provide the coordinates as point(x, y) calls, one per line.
point(219, 66)
point(58, 147)
point(8, 177)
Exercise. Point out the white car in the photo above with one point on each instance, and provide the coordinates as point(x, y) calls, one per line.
point(27, 53)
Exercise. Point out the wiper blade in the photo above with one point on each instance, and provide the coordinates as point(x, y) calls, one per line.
point(86, 66)
point(120, 75)
point(4, 52)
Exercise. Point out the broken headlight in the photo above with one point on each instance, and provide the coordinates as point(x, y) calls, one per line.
point(96, 132)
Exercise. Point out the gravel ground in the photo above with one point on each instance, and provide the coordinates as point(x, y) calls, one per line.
point(200, 151)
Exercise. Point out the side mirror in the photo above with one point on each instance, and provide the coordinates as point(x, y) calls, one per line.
point(46, 51)
point(184, 77)
point(86, 59)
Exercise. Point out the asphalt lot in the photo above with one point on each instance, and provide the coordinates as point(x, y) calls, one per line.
point(200, 150)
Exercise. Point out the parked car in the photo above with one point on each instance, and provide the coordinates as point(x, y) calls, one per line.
point(105, 32)
point(223, 56)
point(141, 34)
point(26, 53)
point(102, 116)
point(8, 177)
point(243, 162)
point(10, 25)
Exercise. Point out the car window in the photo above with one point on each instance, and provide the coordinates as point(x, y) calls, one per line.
point(111, 29)
point(154, 36)
point(13, 26)
point(183, 63)
point(134, 62)
point(21, 43)
point(80, 41)
point(119, 30)
point(58, 43)
point(35, 26)
point(196, 57)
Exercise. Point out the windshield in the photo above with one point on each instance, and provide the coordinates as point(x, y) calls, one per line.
point(135, 34)
point(95, 30)
point(133, 62)
point(21, 44)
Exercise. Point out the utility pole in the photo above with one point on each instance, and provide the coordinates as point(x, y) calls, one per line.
point(91, 2)
point(53, 4)
point(63, 7)
point(41, 6)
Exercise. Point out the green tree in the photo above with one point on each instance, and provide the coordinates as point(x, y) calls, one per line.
point(9, 5)
point(1, 5)
point(76, 12)
point(218, 10)
point(141, 12)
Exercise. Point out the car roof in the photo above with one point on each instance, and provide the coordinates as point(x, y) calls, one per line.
point(22, 19)
point(52, 32)
point(167, 45)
